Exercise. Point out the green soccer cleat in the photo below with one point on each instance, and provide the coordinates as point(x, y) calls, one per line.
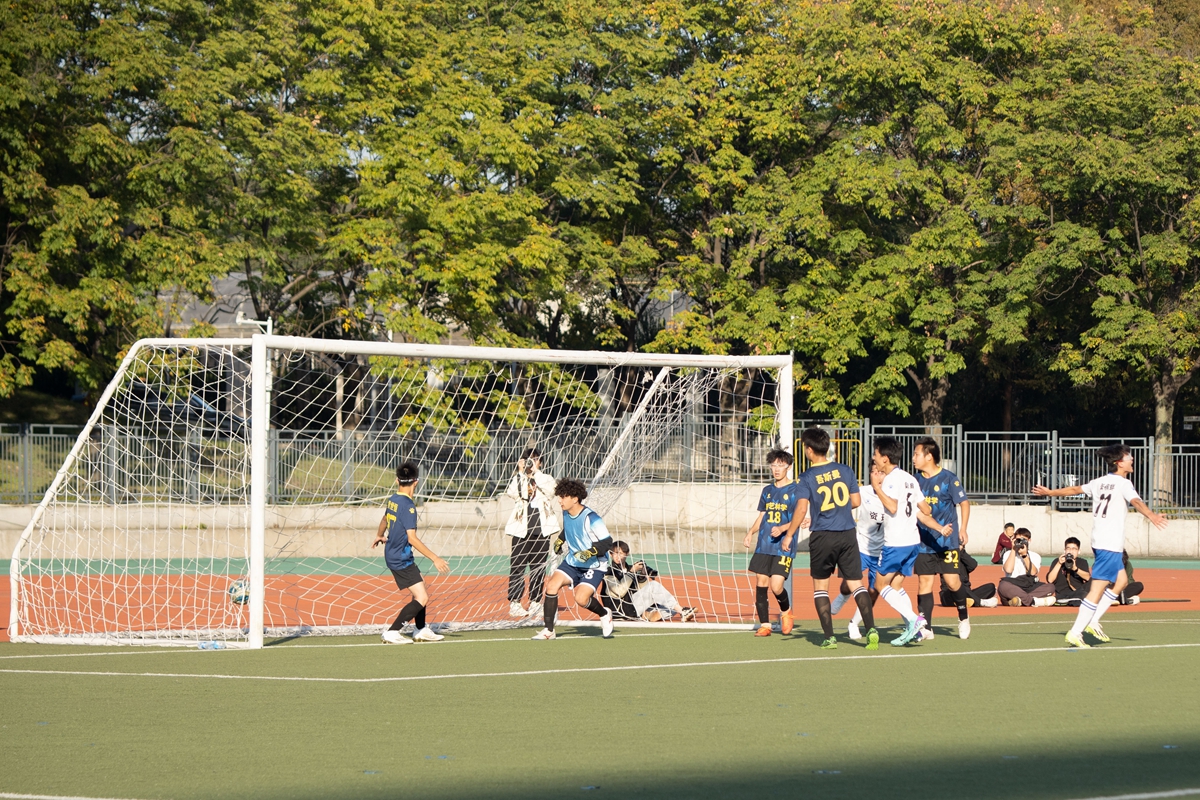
point(1076, 641)
point(872, 639)
point(829, 644)
point(1097, 632)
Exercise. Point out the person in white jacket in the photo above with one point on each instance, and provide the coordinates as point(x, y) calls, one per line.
point(534, 520)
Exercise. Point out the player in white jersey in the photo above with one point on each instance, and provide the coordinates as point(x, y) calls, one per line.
point(869, 529)
point(903, 505)
point(1111, 494)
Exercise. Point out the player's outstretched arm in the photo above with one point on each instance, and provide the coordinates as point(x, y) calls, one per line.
point(381, 533)
point(1157, 520)
point(1065, 491)
point(438, 562)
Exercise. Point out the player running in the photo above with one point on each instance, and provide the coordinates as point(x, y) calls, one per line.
point(588, 542)
point(771, 561)
point(398, 534)
point(869, 530)
point(1111, 496)
point(938, 555)
point(903, 505)
point(832, 490)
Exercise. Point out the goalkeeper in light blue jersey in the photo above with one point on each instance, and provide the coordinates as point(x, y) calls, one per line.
point(587, 541)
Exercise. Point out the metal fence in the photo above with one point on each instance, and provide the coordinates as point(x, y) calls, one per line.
point(998, 467)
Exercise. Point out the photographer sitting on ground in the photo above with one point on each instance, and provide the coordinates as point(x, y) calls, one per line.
point(632, 593)
point(1070, 575)
point(1020, 586)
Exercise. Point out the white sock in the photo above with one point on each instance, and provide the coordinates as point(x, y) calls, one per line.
point(1107, 600)
point(857, 620)
point(1083, 618)
point(898, 599)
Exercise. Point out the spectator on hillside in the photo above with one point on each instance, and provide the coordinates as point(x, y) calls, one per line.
point(1020, 585)
point(984, 595)
point(1069, 575)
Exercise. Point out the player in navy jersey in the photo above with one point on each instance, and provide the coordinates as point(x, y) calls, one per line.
point(938, 555)
point(398, 534)
point(828, 494)
point(587, 540)
point(771, 561)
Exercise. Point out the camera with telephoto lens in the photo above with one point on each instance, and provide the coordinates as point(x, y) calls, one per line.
point(525, 464)
point(1068, 561)
point(1020, 544)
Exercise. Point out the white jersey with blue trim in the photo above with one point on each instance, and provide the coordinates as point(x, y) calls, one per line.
point(1111, 495)
point(870, 522)
point(580, 533)
point(900, 529)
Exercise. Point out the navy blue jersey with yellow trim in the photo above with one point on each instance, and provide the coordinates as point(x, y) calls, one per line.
point(943, 492)
point(401, 518)
point(777, 504)
point(828, 488)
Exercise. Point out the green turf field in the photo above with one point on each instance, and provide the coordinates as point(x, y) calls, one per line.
point(1010, 713)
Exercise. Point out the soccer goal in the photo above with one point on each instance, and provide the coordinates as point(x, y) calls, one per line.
point(229, 490)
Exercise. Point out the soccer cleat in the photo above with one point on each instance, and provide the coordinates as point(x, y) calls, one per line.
point(925, 635)
point(829, 644)
point(426, 634)
point(990, 602)
point(606, 624)
point(911, 629)
point(515, 609)
point(970, 602)
point(852, 630)
point(872, 639)
point(763, 630)
point(785, 622)
point(838, 603)
point(1075, 640)
point(535, 610)
point(1015, 602)
point(964, 629)
point(1132, 601)
point(544, 635)
point(395, 637)
point(687, 614)
point(1097, 632)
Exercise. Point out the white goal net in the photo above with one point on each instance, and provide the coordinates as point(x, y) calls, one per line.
point(229, 490)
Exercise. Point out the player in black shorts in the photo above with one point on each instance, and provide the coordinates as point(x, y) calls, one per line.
point(771, 562)
point(828, 493)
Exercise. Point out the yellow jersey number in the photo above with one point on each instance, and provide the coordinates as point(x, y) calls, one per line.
point(952, 558)
point(835, 496)
point(774, 517)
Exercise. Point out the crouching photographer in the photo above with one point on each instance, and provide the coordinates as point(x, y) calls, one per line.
point(632, 592)
point(1070, 575)
point(1020, 585)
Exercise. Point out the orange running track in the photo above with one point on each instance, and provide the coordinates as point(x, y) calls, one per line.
point(141, 603)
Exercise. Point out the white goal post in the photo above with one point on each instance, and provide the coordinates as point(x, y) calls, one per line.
point(227, 490)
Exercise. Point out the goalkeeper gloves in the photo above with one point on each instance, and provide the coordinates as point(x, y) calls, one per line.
point(558, 545)
point(584, 555)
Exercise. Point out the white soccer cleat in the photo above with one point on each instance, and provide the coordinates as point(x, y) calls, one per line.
point(838, 603)
point(1042, 602)
point(535, 610)
point(854, 633)
point(426, 634)
point(395, 637)
point(544, 634)
point(964, 629)
point(990, 602)
point(515, 609)
point(606, 624)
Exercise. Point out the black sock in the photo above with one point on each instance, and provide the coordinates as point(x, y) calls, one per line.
point(595, 607)
point(549, 609)
point(863, 599)
point(419, 619)
point(408, 612)
point(821, 601)
point(784, 603)
point(960, 601)
point(760, 605)
point(925, 606)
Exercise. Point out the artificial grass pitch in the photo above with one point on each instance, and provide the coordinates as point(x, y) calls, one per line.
point(658, 713)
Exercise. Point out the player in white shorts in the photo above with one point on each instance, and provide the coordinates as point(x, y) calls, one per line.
point(1111, 494)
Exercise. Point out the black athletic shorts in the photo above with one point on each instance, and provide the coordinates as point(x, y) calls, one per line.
point(767, 564)
point(409, 576)
point(937, 563)
point(829, 549)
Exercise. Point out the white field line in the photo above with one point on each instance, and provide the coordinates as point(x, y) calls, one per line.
point(1142, 796)
point(575, 670)
point(49, 797)
point(705, 632)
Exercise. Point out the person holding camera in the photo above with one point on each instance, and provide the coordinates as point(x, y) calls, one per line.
point(1020, 585)
point(632, 592)
point(532, 522)
point(1070, 575)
